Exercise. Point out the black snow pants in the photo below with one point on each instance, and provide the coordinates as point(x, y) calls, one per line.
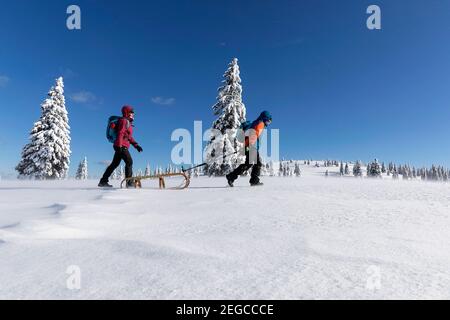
point(122, 153)
point(254, 164)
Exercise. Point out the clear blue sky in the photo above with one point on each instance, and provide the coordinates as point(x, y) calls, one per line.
point(336, 89)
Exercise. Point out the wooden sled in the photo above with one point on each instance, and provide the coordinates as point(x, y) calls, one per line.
point(137, 181)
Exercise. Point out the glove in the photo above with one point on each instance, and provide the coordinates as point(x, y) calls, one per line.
point(139, 148)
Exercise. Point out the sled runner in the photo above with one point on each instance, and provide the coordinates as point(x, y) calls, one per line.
point(136, 181)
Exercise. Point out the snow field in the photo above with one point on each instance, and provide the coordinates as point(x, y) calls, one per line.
point(293, 238)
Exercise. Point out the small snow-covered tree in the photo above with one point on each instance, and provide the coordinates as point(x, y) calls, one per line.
point(394, 172)
point(341, 169)
point(297, 170)
point(148, 170)
point(285, 172)
point(357, 170)
point(263, 171)
point(231, 113)
point(374, 169)
point(47, 154)
point(267, 169)
point(271, 169)
point(445, 176)
point(346, 170)
point(195, 173)
point(82, 172)
point(289, 170)
point(434, 174)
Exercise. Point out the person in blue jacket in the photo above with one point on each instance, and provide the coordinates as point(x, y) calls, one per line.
point(252, 150)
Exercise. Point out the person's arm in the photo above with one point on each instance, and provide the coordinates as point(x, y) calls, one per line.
point(256, 133)
point(132, 141)
point(121, 131)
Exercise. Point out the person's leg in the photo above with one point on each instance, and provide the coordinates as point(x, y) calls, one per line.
point(256, 171)
point(239, 170)
point(126, 156)
point(114, 164)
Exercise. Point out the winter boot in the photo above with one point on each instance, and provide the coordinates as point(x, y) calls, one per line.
point(104, 184)
point(254, 182)
point(230, 181)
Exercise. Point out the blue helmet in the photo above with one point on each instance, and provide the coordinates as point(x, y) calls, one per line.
point(265, 116)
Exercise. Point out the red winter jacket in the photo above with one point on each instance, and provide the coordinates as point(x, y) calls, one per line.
point(125, 130)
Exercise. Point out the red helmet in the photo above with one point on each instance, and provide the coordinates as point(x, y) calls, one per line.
point(126, 110)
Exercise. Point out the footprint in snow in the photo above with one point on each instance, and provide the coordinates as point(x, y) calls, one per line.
point(10, 226)
point(56, 208)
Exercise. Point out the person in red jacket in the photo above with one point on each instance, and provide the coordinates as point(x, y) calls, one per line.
point(123, 141)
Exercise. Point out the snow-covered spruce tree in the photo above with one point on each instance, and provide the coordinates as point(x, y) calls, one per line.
point(434, 173)
point(271, 169)
point(47, 154)
point(195, 173)
point(82, 172)
point(231, 113)
point(405, 175)
point(148, 170)
point(374, 169)
point(297, 170)
point(357, 170)
point(445, 176)
point(346, 170)
point(394, 172)
point(263, 171)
